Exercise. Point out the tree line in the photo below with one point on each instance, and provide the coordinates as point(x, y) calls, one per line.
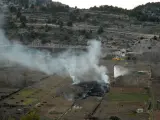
point(148, 12)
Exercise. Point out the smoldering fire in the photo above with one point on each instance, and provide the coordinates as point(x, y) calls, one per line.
point(84, 69)
point(81, 68)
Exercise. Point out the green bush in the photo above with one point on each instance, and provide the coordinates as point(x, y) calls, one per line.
point(11, 118)
point(31, 116)
point(11, 24)
point(100, 30)
point(69, 23)
point(23, 19)
point(19, 14)
point(12, 9)
point(114, 118)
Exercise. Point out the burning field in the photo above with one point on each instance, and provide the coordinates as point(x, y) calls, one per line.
point(57, 97)
point(72, 86)
point(78, 87)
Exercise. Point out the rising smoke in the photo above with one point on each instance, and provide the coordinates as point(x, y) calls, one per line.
point(120, 71)
point(83, 67)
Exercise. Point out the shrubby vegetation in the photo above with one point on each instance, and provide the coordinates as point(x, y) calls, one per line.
point(31, 116)
point(114, 118)
point(70, 23)
point(100, 30)
point(53, 8)
point(148, 12)
point(12, 9)
point(109, 9)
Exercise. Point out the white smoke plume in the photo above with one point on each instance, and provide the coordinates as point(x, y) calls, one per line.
point(83, 67)
point(120, 71)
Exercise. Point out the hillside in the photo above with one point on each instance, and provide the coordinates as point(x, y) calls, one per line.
point(147, 12)
point(112, 80)
point(110, 9)
point(56, 23)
